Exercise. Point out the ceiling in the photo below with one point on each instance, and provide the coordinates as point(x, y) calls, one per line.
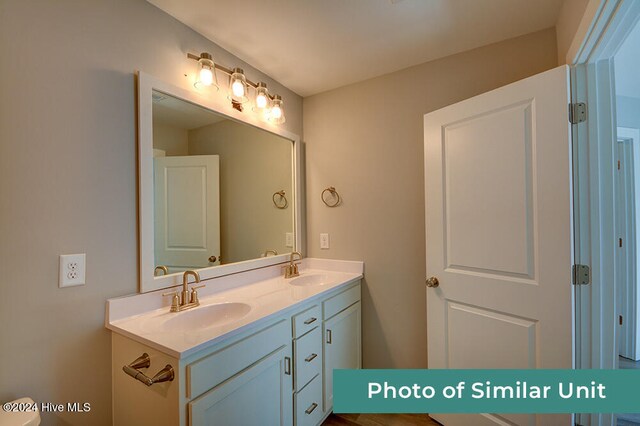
point(312, 46)
point(627, 64)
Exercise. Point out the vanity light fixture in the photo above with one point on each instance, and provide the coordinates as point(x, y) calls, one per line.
point(239, 85)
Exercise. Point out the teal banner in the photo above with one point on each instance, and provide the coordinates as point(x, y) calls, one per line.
point(486, 391)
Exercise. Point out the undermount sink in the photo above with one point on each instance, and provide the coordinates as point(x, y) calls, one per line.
point(311, 279)
point(207, 316)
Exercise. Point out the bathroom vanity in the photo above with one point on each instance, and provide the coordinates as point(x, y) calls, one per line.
point(220, 201)
point(259, 350)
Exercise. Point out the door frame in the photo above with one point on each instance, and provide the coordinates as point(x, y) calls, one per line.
point(627, 217)
point(593, 179)
point(627, 148)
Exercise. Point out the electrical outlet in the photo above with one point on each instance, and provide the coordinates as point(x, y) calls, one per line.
point(288, 239)
point(72, 270)
point(324, 241)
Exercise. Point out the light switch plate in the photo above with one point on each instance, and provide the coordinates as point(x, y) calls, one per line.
point(72, 270)
point(324, 241)
point(289, 239)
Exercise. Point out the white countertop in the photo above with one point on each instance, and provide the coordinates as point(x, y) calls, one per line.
point(141, 316)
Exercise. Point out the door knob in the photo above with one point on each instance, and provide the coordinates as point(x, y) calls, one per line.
point(212, 259)
point(433, 282)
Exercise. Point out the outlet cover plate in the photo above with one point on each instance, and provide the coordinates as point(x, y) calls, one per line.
point(72, 270)
point(324, 241)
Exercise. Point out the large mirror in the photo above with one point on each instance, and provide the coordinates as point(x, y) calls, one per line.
point(217, 194)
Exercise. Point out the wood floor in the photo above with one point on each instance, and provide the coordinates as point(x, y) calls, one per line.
point(628, 364)
point(379, 420)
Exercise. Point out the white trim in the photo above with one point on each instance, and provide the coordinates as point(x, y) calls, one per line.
point(593, 9)
point(628, 294)
point(218, 104)
point(595, 240)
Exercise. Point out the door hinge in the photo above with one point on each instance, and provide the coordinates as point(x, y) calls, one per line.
point(577, 112)
point(620, 319)
point(581, 275)
point(618, 164)
point(619, 242)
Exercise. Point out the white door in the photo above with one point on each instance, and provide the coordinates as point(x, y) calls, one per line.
point(499, 234)
point(187, 211)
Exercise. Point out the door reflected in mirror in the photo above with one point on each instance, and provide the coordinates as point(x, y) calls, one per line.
point(223, 189)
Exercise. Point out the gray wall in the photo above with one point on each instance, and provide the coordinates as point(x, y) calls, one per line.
point(366, 139)
point(68, 182)
point(628, 111)
point(170, 139)
point(571, 14)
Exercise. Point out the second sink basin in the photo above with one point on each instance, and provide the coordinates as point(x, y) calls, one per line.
point(207, 316)
point(311, 279)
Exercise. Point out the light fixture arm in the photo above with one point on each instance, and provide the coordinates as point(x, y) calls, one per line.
point(228, 71)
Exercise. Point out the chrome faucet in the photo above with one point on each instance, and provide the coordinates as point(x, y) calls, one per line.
point(186, 299)
point(291, 270)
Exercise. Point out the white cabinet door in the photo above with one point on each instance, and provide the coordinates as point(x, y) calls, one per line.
point(498, 204)
point(187, 211)
point(342, 347)
point(261, 395)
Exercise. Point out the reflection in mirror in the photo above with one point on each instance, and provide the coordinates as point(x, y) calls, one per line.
point(216, 185)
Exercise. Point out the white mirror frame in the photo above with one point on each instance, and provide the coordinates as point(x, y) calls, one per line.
point(219, 104)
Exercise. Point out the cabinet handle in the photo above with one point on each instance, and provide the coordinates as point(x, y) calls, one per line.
point(310, 357)
point(311, 408)
point(329, 336)
point(287, 365)
point(310, 320)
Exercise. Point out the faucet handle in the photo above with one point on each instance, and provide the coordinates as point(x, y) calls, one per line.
point(288, 271)
point(295, 268)
point(175, 300)
point(194, 293)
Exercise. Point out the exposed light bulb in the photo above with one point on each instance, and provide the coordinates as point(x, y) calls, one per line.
point(276, 112)
point(262, 97)
point(206, 71)
point(206, 76)
point(237, 88)
point(261, 101)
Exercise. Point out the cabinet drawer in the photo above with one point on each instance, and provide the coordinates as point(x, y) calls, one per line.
point(308, 404)
point(308, 357)
point(208, 372)
point(341, 301)
point(306, 321)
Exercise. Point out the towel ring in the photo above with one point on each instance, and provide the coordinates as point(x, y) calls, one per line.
point(280, 205)
point(335, 195)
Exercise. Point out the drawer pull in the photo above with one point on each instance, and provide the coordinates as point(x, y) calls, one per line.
point(311, 408)
point(310, 357)
point(310, 321)
point(329, 336)
point(287, 365)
